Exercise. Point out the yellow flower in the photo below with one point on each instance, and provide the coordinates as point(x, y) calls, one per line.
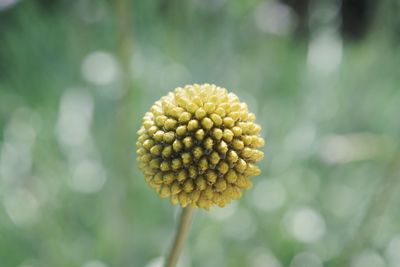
point(198, 146)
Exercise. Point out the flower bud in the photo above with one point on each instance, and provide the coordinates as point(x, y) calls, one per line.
point(199, 145)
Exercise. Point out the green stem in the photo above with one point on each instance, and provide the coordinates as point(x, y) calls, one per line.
point(180, 237)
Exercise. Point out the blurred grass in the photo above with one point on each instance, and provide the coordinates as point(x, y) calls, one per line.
point(330, 134)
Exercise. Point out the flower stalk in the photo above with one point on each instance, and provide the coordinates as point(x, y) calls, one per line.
point(180, 236)
point(198, 146)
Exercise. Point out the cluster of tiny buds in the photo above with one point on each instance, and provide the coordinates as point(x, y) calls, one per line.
point(198, 146)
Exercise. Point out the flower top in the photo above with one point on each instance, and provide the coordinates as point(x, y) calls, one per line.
point(198, 145)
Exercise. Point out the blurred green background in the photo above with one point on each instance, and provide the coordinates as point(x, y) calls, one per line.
point(322, 77)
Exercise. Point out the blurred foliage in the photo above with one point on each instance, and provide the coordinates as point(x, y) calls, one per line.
point(70, 190)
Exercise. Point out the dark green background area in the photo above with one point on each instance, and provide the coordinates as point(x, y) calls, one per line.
point(76, 78)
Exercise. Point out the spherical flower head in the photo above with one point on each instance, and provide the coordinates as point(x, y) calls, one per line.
point(198, 146)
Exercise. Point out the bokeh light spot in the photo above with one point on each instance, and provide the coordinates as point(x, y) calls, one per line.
point(88, 176)
point(100, 68)
point(21, 206)
point(325, 53)
point(241, 226)
point(269, 195)
point(262, 257)
point(306, 259)
point(368, 258)
point(306, 224)
point(94, 263)
point(75, 117)
point(392, 252)
point(274, 17)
